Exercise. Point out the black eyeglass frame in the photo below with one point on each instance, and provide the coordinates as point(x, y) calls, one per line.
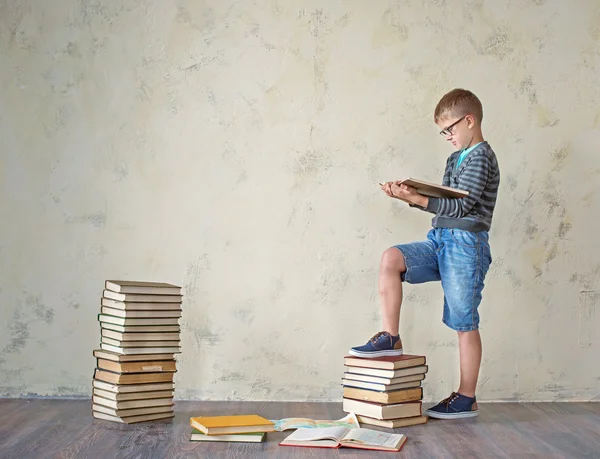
point(448, 129)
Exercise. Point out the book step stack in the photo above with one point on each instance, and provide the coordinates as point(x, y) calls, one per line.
point(250, 428)
point(385, 391)
point(140, 335)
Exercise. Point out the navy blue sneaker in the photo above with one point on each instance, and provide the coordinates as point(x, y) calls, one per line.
point(381, 345)
point(454, 407)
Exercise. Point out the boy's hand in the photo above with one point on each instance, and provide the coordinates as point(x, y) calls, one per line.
point(387, 188)
point(409, 194)
point(391, 189)
point(404, 193)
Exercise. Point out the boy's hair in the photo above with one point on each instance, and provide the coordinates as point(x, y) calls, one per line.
point(457, 103)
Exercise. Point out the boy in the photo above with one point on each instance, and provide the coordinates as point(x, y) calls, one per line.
point(456, 251)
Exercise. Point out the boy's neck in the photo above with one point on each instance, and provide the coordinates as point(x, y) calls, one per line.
point(477, 138)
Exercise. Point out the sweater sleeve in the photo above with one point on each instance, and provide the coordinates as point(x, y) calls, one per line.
point(472, 179)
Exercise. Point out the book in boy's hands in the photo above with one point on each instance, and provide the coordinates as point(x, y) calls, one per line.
point(336, 437)
point(433, 189)
point(219, 425)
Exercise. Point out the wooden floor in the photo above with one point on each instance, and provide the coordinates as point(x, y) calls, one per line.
point(65, 429)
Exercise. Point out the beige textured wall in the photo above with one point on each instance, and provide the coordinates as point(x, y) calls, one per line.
point(235, 147)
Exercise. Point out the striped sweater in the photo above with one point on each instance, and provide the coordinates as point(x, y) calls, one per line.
point(478, 174)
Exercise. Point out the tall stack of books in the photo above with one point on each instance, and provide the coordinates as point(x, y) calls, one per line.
point(140, 335)
point(385, 391)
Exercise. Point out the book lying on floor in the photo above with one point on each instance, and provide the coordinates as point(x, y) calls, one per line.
point(336, 437)
point(218, 425)
point(256, 437)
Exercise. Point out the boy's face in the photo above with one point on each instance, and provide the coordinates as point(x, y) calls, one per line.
point(457, 130)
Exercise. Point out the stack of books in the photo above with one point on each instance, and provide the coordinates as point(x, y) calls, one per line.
point(140, 335)
point(385, 391)
point(239, 428)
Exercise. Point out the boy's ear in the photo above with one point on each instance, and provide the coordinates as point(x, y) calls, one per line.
point(470, 121)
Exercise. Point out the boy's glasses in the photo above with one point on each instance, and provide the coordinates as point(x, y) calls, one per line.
point(448, 129)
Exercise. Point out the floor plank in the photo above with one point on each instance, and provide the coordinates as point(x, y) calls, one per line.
point(42, 428)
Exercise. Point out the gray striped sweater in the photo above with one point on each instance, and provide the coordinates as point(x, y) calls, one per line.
point(478, 174)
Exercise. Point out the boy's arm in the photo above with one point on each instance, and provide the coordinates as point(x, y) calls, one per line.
point(422, 202)
point(448, 171)
point(473, 179)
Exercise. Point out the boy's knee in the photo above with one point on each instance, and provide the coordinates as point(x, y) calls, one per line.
point(392, 259)
point(474, 331)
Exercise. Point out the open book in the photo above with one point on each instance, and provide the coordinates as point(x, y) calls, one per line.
point(336, 437)
point(434, 190)
point(348, 421)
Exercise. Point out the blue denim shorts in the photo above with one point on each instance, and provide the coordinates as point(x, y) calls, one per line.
point(460, 260)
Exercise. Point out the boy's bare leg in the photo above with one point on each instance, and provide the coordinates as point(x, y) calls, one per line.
point(390, 288)
point(469, 344)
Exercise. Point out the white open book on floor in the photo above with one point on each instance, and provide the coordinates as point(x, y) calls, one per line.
point(336, 437)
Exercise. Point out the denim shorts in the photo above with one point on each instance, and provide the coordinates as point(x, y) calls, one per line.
point(460, 260)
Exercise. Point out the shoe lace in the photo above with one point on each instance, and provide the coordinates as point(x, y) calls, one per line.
point(447, 401)
point(377, 336)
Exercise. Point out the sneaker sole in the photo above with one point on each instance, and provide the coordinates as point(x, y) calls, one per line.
point(436, 415)
point(388, 353)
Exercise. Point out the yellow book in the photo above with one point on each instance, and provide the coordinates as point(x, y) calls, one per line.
point(219, 425)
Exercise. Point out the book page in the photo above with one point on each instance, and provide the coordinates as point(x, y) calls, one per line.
point(313, 434)
point(372, 438)
point(292, 423)
point(348, 421)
